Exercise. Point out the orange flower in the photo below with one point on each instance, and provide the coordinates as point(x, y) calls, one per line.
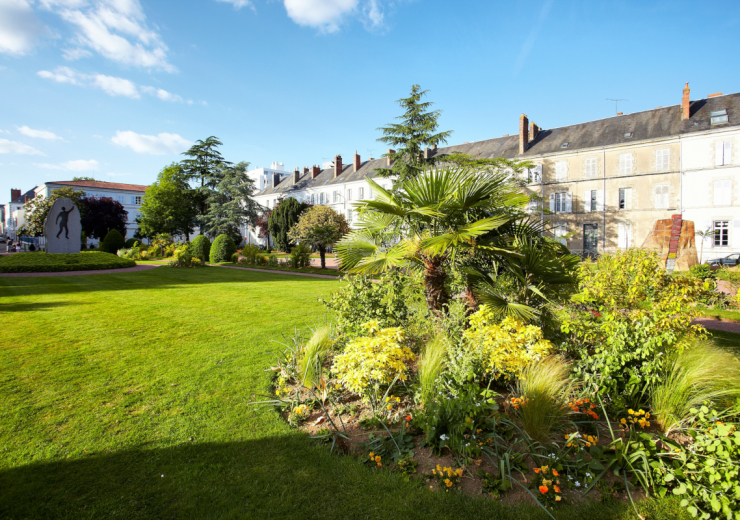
point(556, 488)
point(555, 472)
point(536, 470)
point(557, 499)
point(543, 489)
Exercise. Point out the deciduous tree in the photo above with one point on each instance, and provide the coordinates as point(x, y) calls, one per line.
point(103, 215)
point(37, 209)
point(169, 205)
point(319, 227)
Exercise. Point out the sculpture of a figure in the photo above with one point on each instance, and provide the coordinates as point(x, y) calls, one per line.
point(64, 215)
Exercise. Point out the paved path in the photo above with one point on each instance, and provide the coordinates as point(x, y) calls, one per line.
point(277, 272)
point(74, 273)
point(712, 324)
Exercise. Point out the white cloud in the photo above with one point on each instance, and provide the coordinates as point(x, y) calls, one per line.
point(19, 27)
point(118, 174)
point(62, 75)
point(238, 4)
point(7, 146)
point(115, 86)
point(75, 54)
point(325, 15)
point(39, 134)
point(160, 144)
point(328, 15)
point(111, 85)
point(162, 94)
point(79, 165)
point(115, 29)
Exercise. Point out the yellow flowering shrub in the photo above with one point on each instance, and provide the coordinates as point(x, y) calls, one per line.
point(373, 361)
point(504, 348)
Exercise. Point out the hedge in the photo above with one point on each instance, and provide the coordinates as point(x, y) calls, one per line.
point(60, 262)
point(201, 247)
point(130, 243)
point(222, 249)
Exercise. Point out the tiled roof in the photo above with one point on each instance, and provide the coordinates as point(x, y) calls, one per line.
point(651, 124)
point(102, 185)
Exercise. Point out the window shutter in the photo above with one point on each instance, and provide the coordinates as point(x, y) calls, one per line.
point(569, 202)
point(658, 199)
point(728, 152)
point(587, 201)
point(628, 198)
point(552, 203)
point(719, 154)
point(599, 200)
point(621, 236)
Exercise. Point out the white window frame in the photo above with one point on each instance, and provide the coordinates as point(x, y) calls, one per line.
point(560, 230)
point(723, 153)
point(561, 202)
point(627, 199)
point(360, 193)
point(137, 199)
point(625, 164)
point(590, 167)
point(349, 193)
point(662, 200)
point(349, 216)
point(721, 233)
point(723, 192)
point(561, 171)
point(663, 160)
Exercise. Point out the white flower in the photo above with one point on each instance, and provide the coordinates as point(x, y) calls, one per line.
point(578, 484)
point(588, 474)
point(443, 437)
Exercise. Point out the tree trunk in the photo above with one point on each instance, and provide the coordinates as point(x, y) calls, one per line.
point(434, 284)
point(322, 254)
point(470, 300)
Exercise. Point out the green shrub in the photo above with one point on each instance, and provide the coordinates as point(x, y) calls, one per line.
point(362, 300)
point(222, 249)
point(183, 257)
point(250, 252)
point(692, 377)
point(57, 262)
point(112, 242)
point(543, 388)
point(131, 242)
point(201, 247)
point(235, 257)
point(300, 256)
point(702, 272)
point(272, 260)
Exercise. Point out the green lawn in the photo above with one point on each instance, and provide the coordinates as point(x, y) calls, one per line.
point(125, 396)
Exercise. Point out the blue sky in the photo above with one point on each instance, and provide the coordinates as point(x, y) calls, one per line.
point(116, 89)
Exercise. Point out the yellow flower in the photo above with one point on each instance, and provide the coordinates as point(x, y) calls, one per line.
point(631, 411)
point(557, 499)
point(377, 458)
point(448, 482)
point(468, 419)
point(623, 421)
point(398, 399)
point(459, 472)
point(387, 399)
point(390, 407)
point(372, 454)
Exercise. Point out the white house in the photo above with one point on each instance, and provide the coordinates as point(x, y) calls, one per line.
point(334, 184)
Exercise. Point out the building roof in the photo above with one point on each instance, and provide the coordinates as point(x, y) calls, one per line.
point(326, 178)
point(25, 197)
point(659, 123)
point(103, 185)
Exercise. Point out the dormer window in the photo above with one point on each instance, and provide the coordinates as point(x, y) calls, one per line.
point(719, 116)
point(564, 145)
point(628, 134)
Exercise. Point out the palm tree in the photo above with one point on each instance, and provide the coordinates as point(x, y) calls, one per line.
point(428, 221)
point(703, 234)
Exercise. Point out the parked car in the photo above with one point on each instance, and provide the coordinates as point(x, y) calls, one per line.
point(729, 260)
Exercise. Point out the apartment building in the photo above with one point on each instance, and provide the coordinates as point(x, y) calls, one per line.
point(604, 184)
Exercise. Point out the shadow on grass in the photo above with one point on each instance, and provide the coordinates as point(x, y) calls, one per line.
point(275, 477)
point(31, 307)
point(161, 278)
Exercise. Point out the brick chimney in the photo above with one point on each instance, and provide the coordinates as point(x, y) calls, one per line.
point(388, 160)
point(523, 133)
point(14, 194)
point(620, 113)
point(296, 175)
point(305, 170)
point(337, 166)
point(275, 179)
point(315, 170)
point(533, 129)
point(356, 162)
point(685, 108)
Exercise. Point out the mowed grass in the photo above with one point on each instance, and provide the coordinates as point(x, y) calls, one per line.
point(126, 396)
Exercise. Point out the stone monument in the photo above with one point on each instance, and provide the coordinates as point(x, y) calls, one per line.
point(62, 227)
